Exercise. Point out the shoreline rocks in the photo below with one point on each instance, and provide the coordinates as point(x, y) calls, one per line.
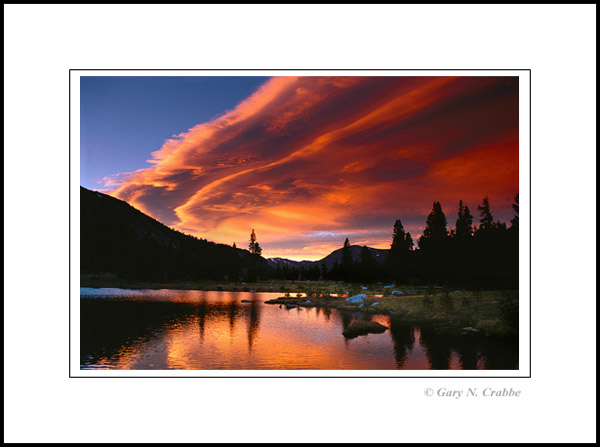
point(358, 299)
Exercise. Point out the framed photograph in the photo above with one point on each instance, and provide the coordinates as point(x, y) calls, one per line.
point(224, 219)
point(300, 223)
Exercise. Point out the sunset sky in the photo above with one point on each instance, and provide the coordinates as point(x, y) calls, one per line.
point(305, 161)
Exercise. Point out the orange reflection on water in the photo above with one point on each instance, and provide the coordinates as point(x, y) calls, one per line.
point(167, 329)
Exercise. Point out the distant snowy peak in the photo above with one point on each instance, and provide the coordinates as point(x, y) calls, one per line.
point(281, 260)
point(273, 262)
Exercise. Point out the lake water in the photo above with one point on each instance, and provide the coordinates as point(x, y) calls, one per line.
point(183, 329)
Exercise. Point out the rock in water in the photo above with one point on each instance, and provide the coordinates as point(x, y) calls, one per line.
point(363, 328)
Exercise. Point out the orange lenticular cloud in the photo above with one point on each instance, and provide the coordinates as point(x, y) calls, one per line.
point(308, 161)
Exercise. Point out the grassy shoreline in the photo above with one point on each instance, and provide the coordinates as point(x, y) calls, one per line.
point(490, 313)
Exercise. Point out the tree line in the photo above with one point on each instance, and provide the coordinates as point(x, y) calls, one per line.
point(468, 255)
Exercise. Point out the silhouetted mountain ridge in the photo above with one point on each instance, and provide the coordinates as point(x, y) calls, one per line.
point(118, 238)
point(379, 255)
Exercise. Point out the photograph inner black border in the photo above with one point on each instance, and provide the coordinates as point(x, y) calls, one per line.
point(307, 376)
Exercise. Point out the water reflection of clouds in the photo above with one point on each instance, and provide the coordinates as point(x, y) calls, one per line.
point(215, 330)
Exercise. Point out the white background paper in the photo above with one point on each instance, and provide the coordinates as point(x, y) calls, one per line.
point(42, 404)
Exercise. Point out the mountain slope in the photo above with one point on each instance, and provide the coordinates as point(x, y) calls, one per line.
point(379, 255)
point(117, 238)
